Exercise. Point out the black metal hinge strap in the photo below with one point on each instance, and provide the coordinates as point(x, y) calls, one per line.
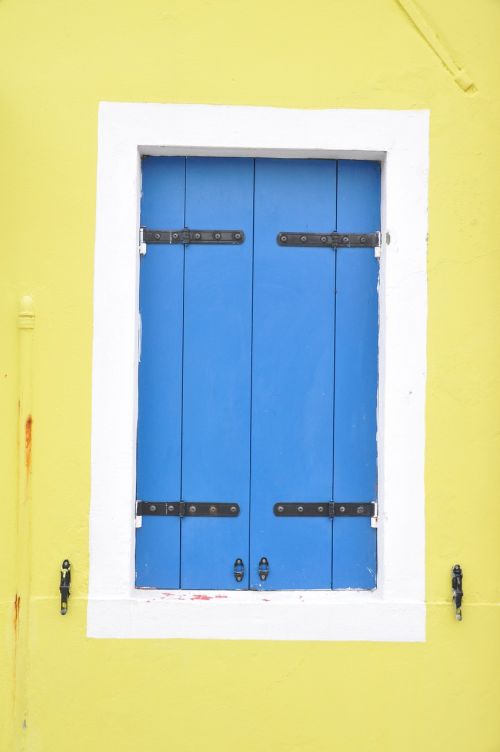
point(329, 240)
point(325, 509)
point(190, 237)
point(187, 509)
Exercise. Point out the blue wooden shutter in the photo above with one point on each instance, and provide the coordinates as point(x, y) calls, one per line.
point(258, 374)
point(356, 376)
point(160, 374)
point(217, 352)
point(194, 374)
point(293, 358)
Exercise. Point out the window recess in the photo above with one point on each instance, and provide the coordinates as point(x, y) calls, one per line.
point(257, 455)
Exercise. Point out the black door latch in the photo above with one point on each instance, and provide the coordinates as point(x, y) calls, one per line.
point(64, 586)
point(239, 570)
point(457, 589)
point(263, 569)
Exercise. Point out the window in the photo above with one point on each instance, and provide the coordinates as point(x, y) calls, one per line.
point(258, 377)
point(398, 141)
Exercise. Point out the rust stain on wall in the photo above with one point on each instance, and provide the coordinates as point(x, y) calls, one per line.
point(27, 442)
point(17, 609)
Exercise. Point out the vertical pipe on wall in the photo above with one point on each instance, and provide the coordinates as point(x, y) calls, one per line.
point(26, 324)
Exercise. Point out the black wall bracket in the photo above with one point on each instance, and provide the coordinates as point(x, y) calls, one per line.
point(457, 590)
point(64, 586)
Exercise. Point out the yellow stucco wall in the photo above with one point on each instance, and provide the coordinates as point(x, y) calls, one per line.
point(58, 60)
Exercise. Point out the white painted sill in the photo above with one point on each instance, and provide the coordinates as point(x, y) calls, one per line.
point(396, 610)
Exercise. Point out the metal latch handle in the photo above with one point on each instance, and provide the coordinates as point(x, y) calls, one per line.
point(239, 570)
point(263, 568)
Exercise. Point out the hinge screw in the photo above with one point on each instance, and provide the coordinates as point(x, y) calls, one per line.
point(303, 238)
point(217, 236)
point(171, 507)
point(233, 509)
point(237, 235)
point(300, 509)
point(323, 238)
point(157, 236)
point(175, 235)
point(284, 238)
point(281, 508)
point(341, 509)
point(152, 507)
point(192, 509)
point(212, 509)
point(197, 235)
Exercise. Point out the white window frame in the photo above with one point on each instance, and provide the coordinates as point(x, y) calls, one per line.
point(395, 611)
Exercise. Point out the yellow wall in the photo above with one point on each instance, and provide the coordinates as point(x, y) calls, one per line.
point(58, 59)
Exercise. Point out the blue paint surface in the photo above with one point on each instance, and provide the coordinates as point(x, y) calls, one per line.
point(160, 374)
point(293, 356)
point(217, 354)
point(258, 374)
point(356, 375)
